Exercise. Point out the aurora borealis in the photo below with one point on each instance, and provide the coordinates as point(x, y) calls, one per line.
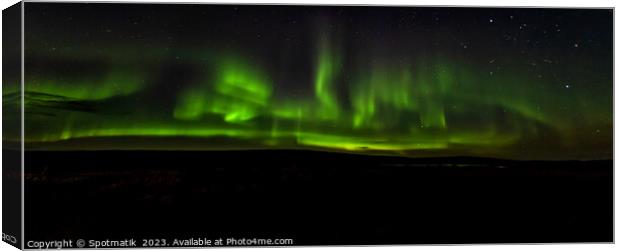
point(513, 83)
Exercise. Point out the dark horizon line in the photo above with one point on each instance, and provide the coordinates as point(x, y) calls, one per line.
point(325, 5)
point(321, 151)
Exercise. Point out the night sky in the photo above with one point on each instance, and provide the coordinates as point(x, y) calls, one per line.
point(510, 83)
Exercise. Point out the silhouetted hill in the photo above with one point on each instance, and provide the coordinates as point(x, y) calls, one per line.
point(316, 197)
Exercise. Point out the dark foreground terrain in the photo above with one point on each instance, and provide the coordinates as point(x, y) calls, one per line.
point(315, 197)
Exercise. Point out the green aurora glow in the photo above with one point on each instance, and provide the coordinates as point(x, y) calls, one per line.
point(412, 106)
